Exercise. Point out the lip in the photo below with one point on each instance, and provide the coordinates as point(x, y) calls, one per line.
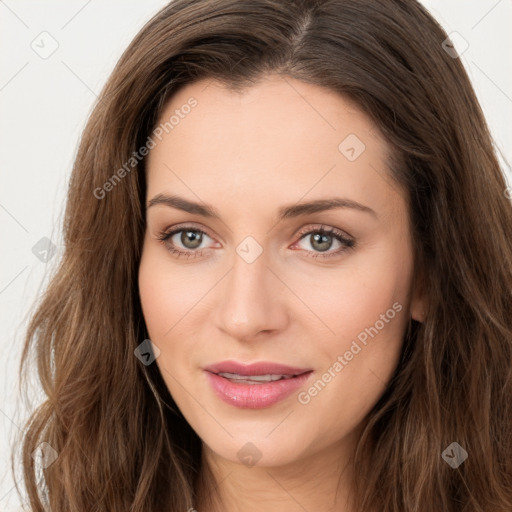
point(259, 368)
point(255, 396)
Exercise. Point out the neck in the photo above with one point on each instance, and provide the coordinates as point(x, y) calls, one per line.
point(317, 482)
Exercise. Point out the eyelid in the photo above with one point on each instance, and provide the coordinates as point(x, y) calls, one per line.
point(184, 226)
point(326, 228)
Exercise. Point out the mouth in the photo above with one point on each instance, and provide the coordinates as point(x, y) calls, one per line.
point(256, 385)
point(255, 379)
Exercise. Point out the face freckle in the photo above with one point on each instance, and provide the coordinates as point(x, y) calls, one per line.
point(261, 283)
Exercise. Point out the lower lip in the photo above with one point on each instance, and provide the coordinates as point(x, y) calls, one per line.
point(255, 396)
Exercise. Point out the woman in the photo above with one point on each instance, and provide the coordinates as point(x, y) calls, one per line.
point(287, 274)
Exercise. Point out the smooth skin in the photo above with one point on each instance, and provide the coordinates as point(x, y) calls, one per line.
point(247, 155)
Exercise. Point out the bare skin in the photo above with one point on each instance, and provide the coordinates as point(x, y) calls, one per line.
point(248, 155)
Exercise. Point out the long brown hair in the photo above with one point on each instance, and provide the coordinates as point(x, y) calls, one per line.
point(122, 443)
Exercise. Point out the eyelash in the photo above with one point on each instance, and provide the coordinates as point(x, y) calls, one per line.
point(348, 243)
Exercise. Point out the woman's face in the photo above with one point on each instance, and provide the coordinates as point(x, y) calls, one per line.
point(252, 280)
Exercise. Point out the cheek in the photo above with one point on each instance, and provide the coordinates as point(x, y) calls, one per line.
point(166, 295)
point(369, 326)
point(173, 307)
point(368, 301)
point(155, 300)
point(367, 310)
point(165, 302)
point(353, 298)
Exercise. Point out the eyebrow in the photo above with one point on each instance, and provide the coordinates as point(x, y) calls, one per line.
point(285, 212)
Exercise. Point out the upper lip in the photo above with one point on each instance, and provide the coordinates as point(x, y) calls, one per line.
point(259, 368)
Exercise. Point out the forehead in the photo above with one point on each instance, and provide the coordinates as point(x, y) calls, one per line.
point(309, 112)
point(280, 139)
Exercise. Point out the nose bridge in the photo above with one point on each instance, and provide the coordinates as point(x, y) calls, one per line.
point(249, 303)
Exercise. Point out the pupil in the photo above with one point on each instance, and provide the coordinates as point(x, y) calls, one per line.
point(191, 239)
point(325, 241)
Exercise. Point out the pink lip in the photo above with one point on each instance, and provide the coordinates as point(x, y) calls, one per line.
point(255, 396)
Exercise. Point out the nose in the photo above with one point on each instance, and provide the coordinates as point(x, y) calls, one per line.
point(253, 300)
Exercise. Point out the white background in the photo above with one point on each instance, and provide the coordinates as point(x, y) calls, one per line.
point(44, 104)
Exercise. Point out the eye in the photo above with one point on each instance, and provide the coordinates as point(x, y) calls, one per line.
point(188, 237)
point(322, 239)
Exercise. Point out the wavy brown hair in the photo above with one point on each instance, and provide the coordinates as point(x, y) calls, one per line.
point(122, 443)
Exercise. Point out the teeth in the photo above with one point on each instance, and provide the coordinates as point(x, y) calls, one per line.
point(255, 378)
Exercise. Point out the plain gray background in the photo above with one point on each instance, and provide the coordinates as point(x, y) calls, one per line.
point(46, 99)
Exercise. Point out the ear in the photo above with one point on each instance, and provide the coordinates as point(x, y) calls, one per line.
point(419, 303)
